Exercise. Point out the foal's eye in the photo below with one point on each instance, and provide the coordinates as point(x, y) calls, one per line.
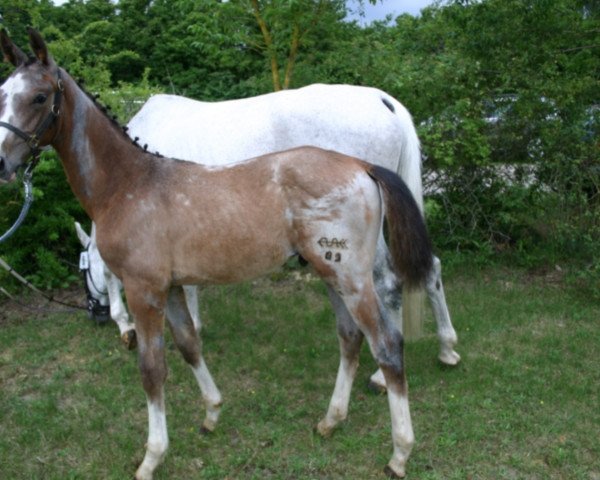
point(40, 98)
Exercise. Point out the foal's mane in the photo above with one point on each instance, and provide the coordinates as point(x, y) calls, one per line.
point(106, 112)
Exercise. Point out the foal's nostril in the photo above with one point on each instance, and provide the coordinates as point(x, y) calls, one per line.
point(2, 164)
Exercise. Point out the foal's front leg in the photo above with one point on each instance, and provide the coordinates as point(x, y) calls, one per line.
point(148, 308)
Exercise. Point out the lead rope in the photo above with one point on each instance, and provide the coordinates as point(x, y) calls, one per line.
point(29, 285)
point(24, 210)
point(26, 204)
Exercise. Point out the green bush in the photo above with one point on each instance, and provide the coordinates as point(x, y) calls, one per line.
point(45, 244)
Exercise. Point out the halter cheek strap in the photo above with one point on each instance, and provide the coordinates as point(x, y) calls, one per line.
point(33, 139)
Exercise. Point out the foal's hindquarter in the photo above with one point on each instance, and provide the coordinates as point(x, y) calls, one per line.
point(227, 224)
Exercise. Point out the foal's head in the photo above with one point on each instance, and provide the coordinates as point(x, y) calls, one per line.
point(29, 103)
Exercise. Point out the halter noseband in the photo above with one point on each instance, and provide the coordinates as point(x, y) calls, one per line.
point(96, 311)
point(33, 140)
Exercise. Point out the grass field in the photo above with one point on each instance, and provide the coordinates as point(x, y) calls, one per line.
point(523, 404)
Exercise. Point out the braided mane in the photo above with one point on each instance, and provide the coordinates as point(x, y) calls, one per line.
point(106, 111)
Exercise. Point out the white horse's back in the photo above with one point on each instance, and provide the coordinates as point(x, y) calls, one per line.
point(358, 121)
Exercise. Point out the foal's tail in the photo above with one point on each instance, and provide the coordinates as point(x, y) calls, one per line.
point(408, 239)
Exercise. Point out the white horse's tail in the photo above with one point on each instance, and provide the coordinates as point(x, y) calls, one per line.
point(409, 168)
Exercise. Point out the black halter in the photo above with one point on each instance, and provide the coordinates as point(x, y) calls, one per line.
point(33, 139)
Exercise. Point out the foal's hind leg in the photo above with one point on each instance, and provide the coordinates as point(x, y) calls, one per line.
point(350, 338)
point(389, 290)
point(187, 339)
point(386, 344)
point(446, 333)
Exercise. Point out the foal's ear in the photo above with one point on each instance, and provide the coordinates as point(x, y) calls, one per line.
point(39, 46)
point(12, 53)
point(83, 237)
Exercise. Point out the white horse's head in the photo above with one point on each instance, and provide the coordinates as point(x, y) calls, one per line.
point(93, 268)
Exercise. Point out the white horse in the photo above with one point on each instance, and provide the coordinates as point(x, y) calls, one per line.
point(362, 122)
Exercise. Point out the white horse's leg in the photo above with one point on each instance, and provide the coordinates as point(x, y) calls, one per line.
point(118, 312)
point(191, 299)
point(446, 333)
point(350, 339)
point(187, 339)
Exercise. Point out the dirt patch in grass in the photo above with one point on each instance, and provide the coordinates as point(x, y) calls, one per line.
point(30, 305)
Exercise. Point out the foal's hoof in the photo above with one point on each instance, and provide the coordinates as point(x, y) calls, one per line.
point(129, 338)
point(323, 429)
point(390, 473)
point(450, 358)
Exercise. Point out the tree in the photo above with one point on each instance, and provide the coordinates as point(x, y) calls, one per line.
point(279, 30)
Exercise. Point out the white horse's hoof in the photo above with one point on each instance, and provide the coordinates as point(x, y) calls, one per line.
point(377, 383)
point(397, 472)
point(449, 358)
point(376, 388)
point(143, 475)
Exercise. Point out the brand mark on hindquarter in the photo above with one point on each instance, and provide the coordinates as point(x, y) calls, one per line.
point(333, 243)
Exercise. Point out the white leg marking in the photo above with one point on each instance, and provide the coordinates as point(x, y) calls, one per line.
point(338, 406)
point(210, 394)
point(158, 440)
point(403, 437)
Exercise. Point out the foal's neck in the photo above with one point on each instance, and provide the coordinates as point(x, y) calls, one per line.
point(97, 156)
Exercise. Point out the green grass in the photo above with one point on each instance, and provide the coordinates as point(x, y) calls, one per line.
point(523, 404)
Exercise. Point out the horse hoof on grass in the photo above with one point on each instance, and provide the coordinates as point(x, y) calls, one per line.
point(205, 430)
point(390, 473)
point(450, 358)
point(129, 338)
point(323, 430)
